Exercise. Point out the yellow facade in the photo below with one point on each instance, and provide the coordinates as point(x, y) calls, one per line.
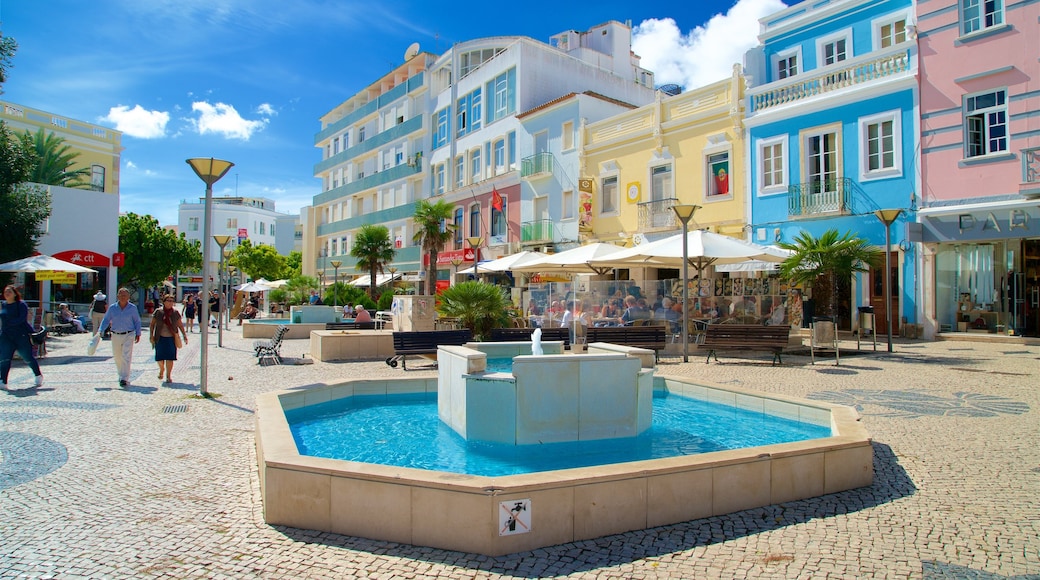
point(682, 149)
point(99, 148)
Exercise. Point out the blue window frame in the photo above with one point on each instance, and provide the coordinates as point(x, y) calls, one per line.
point(440, 122)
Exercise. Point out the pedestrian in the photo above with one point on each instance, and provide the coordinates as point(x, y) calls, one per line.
point(165, 331)
point(14, 335)
point(199, 310)
point(214, 308)
point(189, 311)
point(97, 309)
point(124, 320)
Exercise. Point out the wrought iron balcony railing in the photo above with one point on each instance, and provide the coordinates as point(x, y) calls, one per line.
point(538, 232)
point(658, 215)
point(830, 196)
point(537, 165)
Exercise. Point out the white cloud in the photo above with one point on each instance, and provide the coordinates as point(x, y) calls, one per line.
point(707, 53)
point(138, 122)
point(266, 109)
point(223, 119)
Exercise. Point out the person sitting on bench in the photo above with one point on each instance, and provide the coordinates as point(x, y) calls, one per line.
point(248, 313)
point(66, 316)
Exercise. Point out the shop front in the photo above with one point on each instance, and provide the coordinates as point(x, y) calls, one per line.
point(984, 265)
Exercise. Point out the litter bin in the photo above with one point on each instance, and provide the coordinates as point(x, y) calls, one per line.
point(808, 312)
point(866, 320)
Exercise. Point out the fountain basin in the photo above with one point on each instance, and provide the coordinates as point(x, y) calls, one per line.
point(471, 513)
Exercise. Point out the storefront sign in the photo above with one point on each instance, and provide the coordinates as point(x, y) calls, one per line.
point(445, 258)
point(189, 280)
point(986, 224)
point(83, 258)
point(56, 277)
point(118, 259)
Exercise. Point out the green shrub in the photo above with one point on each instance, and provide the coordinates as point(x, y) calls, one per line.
point(477, 305)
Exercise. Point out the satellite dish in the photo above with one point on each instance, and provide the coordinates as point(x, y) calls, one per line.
point(412, 51)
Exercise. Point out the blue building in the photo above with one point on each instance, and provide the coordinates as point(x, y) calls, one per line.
point(832, 131)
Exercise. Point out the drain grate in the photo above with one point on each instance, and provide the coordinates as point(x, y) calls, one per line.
point(181, 408)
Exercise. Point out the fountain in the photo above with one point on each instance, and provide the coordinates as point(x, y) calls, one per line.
point(554, 397)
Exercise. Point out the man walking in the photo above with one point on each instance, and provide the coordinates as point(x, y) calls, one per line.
point(123, 318)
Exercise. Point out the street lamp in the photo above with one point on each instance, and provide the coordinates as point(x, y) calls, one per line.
point(474, 243)
point(321, 283)
point(228, 294)
point(887, 216)
point(210, 171)
point(335, 296)
point(231, 286)
point(456, 261)
point(221, 296)
point(685, 214)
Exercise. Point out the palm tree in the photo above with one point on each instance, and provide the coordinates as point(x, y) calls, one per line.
point(478, 306)
point(373, 250)
point(826, 261)
point(54, 160)
point(432, 233)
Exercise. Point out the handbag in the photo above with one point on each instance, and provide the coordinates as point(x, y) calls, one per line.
point(39, 337)
point(177, 340)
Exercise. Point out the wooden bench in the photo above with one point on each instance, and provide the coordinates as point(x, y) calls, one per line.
point(524, 335)
point(650, 337)
point(370, 325)
point(745, 337)
point(424, 342)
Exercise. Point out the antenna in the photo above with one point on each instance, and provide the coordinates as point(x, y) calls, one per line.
point(412, 51)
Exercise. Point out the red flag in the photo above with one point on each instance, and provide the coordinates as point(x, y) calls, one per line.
point(496, 199)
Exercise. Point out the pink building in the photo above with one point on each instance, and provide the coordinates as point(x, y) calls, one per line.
point(979, 205)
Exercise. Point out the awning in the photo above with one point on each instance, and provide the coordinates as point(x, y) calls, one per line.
point(381, 279)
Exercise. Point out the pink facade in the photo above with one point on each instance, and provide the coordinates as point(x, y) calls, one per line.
point(989, 49)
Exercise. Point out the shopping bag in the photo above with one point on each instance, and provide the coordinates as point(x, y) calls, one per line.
point(93, 344)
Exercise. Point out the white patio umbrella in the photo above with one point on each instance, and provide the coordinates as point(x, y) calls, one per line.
point(704, 249)
point(252, 287)
point(43, 262)
point(590, 258)
point(756, 265)
point(272, 284)
point(505, 263)
point(381, 279)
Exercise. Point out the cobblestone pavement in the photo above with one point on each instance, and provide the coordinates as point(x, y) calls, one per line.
point(102, 482)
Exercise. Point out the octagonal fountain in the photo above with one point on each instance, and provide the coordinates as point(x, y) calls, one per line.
point(546, 400)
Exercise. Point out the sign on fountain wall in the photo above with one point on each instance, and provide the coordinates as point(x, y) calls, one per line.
point(514, 517)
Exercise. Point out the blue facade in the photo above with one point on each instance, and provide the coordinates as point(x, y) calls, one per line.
point(833, 131)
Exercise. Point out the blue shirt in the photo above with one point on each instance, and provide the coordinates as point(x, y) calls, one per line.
point(15, 318)
point(122, 319)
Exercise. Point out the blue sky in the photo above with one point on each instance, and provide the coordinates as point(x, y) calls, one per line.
point(248, 80)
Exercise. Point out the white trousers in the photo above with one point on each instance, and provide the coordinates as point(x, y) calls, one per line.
point(123, 353)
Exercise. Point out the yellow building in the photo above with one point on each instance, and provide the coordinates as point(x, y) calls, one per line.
point(681, 149)
point(99, 148)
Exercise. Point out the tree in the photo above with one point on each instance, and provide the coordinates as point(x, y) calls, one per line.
point(153, 253)
point(826, 261)
point(53, 160)
point(478, 306)
point(258, 261)
point(374, 251)
point(293, 266)
point(24, 208)
point(432, 233)
point(8, 47)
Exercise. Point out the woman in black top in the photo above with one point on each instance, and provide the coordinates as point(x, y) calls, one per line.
point(14, 335)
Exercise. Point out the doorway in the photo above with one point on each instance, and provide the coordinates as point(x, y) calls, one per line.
point(877, 295)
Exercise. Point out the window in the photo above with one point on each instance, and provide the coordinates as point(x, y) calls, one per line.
point(661, 183)
point(232, 223)
point(458, 227)
point(193, 224)
point(821, 158)
point(460, 171)
point(892, 33)
point(608, 195)
point(772, 173)
point(499, 155)
point(398, 157)
point(97, 177)
point(833, 50)
point(718, 174)
point(263, 228)
point(786, 63)
point(985, 123)
point(361, 135)
point(467, 115)
point(978, 15)
point(880, 144)
point(511, 150)
point(474, 165)
point(501, 92)
point(498, 220)
point(440, 133)
point(567, 211)
point(474, 220)
point(439, 179)
point(568, 136)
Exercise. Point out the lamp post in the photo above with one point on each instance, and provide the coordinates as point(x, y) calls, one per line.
point(210, 171)
point(474, 243)
point(455, 262)
point(231, 286)
point(321, 283)
point(887, 217)
point(229, 294)
point(335, 280)
point(685, 214)
point(221, 295)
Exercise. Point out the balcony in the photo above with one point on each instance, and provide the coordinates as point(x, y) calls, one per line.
point(536, 166)
point(870, 68)
point(536, 232)
point(1030, 186)
point(374, 180)
point(658, 215)
point(832, 196)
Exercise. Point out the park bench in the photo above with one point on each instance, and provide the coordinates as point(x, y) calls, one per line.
point(524, 334)
point(424, 342)
point(745, 337)
point(649, 337)
point(268, 350)
point(370, 325)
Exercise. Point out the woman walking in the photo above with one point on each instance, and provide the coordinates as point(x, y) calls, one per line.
point(14, 335)
point(165, 329)
point(189, 311)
